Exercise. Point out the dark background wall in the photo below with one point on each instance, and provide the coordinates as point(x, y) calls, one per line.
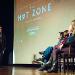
point(6, 17)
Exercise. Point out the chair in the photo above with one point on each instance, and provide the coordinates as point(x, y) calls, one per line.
point(66, 58)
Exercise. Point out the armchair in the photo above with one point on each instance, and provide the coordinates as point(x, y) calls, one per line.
point(66, 57)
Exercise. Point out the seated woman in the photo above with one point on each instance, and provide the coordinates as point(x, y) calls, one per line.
point(68, 39)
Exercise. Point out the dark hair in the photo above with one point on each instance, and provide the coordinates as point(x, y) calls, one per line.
point(66, 31)
point(61, 33)
point(73, 20)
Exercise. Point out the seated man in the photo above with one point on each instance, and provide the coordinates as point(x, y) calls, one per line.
point(48, 53)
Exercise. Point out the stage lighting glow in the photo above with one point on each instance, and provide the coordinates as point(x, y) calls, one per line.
point(33, 30)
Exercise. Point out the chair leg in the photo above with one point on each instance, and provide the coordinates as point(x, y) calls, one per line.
point(64, 63)
point(67, 63)
point(57, 62)
point(73, 63)
point(60, 63)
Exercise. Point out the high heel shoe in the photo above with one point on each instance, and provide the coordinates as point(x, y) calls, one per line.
point(53, 68)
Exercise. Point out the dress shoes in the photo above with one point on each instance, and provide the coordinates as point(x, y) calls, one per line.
point(45, 67)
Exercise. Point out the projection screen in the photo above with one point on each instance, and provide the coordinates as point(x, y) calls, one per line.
point(37, 24)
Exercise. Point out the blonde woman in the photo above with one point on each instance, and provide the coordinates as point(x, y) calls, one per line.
point(72, 28)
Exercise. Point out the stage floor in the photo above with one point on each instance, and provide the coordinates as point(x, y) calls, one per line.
point(28, 71)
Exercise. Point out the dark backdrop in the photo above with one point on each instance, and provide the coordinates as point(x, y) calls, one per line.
point(6, 17)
